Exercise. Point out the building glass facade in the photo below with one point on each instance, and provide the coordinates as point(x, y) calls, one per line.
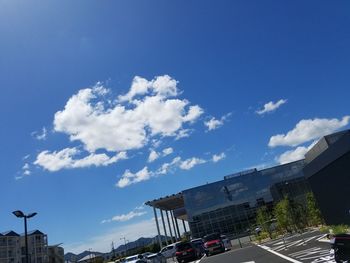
point(229, 206)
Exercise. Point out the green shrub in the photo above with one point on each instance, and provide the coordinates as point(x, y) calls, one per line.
point(340, 229)
point(325, 229)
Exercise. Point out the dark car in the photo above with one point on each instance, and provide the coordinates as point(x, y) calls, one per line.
point(341, 246)
point(213, 244)
point(186, 251)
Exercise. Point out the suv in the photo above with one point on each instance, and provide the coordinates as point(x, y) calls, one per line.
point(341, 245)
point(213, 244)
point(187, 251)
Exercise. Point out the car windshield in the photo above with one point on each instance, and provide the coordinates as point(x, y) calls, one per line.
point(211, 237)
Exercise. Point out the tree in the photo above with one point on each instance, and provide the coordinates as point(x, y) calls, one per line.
point(313, 213)
point(283, 215)
point(263, 219)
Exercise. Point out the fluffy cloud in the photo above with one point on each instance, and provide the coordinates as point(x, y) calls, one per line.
point(167, 167)
point(88, 118)
point(214, 123)
point(126, 217)
point(294, 155)
point(190, 163)
point(307, 130)
point(167, 151)
point(271, 106)
point(66, 159)
point(129, 178)
point(153, 155)
point(218, 157)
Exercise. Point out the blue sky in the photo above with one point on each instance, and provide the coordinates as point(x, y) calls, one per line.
point(108, 104)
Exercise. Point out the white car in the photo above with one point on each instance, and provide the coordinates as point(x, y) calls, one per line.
point(135, 259)
point(169, 251)
point(156, 258)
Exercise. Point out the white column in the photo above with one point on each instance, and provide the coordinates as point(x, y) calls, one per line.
point(156, 218)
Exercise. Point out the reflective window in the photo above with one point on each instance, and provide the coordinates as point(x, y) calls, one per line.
point(229, 206)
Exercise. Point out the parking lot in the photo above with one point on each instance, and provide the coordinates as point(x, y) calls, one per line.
point(310, 247)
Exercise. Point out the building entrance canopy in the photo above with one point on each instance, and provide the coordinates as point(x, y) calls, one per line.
point(168, 203)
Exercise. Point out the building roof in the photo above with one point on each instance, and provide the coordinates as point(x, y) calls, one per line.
point(10, 234)
point(169, 202)
point(35, 232)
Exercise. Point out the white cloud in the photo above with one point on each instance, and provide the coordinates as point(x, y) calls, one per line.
point(26, 157)
point(167, 151)
point(294, 155)
point(129, 178)
point(64, 159)
point(139, 86)
point(193, 113)
point(87, 117)
point(218, 157)
point(153, 155)
point(190, 163)
point(214, 123)
point(307, 130)
point(271, 106)
point(40, 136)
point(183, 133)
point(125, 217)
point(27, 172)
point(167, 167)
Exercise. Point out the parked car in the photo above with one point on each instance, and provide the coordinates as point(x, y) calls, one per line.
point(226, 241)
point(341, 246)
point(135, 259)
point(213, 244)
point(199, 243)
point(187, 251)
point(169, 251)
point(156, 258)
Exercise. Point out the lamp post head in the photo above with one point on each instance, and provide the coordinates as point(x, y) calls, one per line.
point(31, 215)
point(18, 213)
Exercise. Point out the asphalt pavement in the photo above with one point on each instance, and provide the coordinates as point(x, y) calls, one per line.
point(309, 247)
point(250, 254)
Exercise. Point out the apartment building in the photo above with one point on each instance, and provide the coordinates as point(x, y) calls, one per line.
point(12, 247)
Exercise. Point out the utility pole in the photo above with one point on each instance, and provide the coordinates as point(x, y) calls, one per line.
point(113, 250)
point(123, 238)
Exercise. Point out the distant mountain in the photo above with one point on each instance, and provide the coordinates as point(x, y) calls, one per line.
point(141, 242)
point(71, 257)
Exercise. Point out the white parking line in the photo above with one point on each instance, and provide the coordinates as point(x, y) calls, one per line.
point(279, 254)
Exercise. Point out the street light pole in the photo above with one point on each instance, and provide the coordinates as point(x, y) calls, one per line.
point(20, 214)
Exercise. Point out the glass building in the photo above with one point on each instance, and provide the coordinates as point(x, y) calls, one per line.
point(229, 206)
